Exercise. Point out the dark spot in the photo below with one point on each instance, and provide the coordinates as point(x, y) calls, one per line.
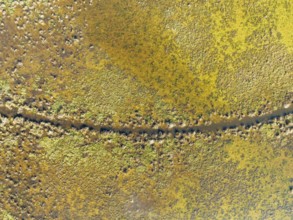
point(232, 126)
point(224, 128)
point(160, 131)
point(248, 126)
point(125, 170)
point(104, 129)
point(124, 132)
point(54, 75)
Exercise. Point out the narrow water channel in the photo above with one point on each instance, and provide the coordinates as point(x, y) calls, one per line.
point(68, 123)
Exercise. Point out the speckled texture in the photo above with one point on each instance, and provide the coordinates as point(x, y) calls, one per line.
point(151, 64)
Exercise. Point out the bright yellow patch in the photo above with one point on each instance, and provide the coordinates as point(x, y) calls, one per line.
point(284, 14)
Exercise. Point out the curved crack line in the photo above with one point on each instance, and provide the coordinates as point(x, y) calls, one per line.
point(69, 123)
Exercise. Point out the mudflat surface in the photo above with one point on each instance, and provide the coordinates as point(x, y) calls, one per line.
point(146, 109)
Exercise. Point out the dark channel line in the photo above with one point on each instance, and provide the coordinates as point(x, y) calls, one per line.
point(69, 123)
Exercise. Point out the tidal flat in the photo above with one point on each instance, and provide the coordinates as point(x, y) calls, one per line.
point(146, 109)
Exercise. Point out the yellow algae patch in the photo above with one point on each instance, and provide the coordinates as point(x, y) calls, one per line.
point(252, 41)
point(230, 28)
point(252, 155)
point(284, 24)
point(248, 155)
point(239, 26)
point(138, 41)
point(270, 169)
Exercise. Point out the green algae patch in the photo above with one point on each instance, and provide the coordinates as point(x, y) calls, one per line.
point(84, 174)
point(4, 215)
point(4, 87)
point(170, 178)
point(105, 93)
